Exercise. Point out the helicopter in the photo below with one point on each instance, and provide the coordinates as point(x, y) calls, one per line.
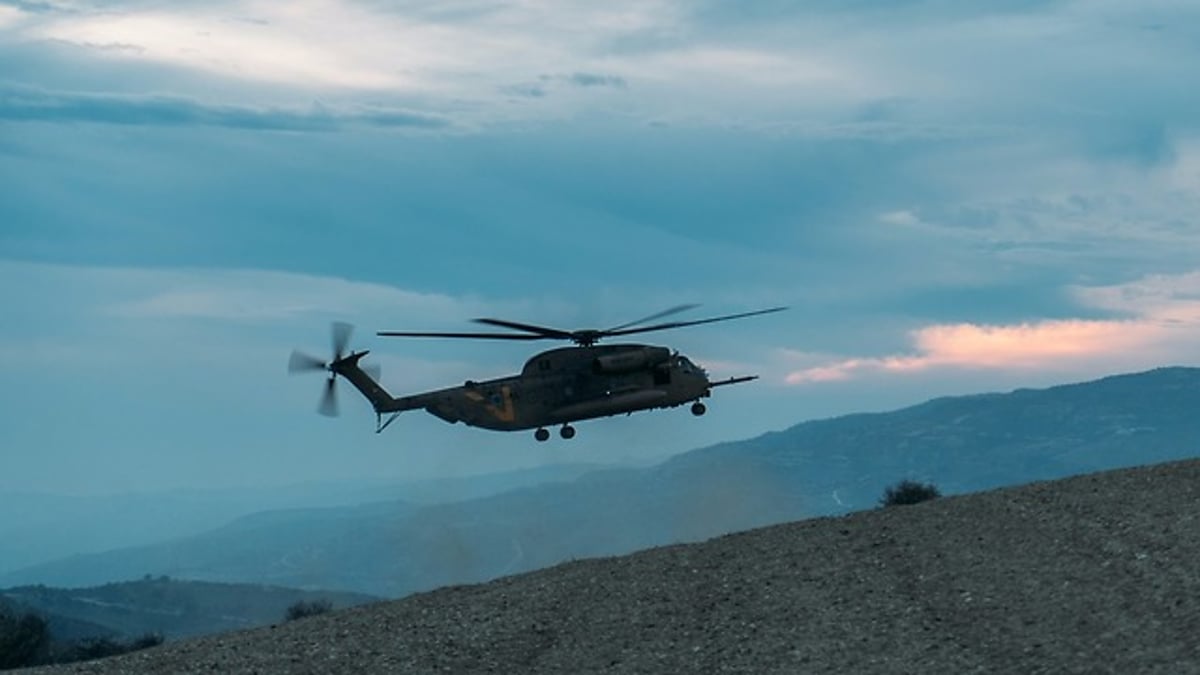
point(557, 387)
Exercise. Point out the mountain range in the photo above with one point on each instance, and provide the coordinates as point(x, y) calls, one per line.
point(965, 444)
point(38, 527)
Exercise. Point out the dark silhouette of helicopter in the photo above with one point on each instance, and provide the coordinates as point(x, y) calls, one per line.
point(556, 387)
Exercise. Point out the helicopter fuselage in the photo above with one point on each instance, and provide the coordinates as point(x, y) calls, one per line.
point(570, 384)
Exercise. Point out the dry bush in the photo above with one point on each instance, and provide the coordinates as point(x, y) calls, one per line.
point(909, 492)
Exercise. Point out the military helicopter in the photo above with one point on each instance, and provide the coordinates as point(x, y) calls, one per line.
point(556, 387)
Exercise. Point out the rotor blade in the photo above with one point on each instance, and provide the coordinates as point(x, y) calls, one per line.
point(341, 337)
point(680, 324)
point(665, 312)
point(301, 362)
point(528, 328)
point(329, 406)
point(372, 370)
point(480, 336)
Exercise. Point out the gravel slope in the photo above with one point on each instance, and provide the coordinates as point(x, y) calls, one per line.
point(1098, 573)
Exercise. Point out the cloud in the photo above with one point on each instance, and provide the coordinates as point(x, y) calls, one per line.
point(89, 293)
point(462, 55)
point(1041, 206)
point(10, 16)
point(1168, 299)
point(89, 319)
point(347, 46)
point(902, 217)
point(24, 104)
point(289, 44)
point(33, 6)
point(829, 68)
point(546, 84)
point(526, 90)
point(1046, 344)
point(1164, 325)
point(264, 295)
point(596, 80)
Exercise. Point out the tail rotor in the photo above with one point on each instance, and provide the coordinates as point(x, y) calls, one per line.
point(301, 362)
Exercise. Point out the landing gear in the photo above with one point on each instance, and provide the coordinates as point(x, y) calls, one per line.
point(698, 408)
point(567, 432)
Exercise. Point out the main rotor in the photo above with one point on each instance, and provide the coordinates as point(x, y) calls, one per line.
point(585, 337)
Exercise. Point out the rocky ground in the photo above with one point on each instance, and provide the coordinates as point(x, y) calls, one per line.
point(1095, 574)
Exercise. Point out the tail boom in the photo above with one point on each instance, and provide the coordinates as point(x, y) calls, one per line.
point(380, 399)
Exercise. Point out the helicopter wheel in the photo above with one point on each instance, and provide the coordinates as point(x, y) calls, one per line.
point(541, 435)
point(567, 431)
point(698, 408)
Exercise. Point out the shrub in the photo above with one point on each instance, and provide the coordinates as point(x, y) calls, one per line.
point(909, 492)
point(146, 641)
point(24, 639)
point(302, 609)
point(99, 648)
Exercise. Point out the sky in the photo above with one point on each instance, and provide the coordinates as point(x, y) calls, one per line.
point(950, 198)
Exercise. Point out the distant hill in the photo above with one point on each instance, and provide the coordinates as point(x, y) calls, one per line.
point(36, 528)
point(62, 628)
point(825, 467)
point(1094, 574)
point(394, 548)
point(159, 605)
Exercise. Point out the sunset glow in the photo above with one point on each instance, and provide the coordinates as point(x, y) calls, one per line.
point(1030, 345)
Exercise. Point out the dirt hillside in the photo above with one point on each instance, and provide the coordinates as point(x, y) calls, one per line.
point(1099, 573)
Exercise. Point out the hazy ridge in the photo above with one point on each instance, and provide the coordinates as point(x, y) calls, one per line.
point(168, 607)
point(817, 468)
point(37, 528)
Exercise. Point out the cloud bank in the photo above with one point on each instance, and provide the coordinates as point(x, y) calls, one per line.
point(1163, 326)
point(24, 104)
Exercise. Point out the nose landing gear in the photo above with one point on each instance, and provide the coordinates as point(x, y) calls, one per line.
point(541, 434)
point(567, 432)
point(698, 408)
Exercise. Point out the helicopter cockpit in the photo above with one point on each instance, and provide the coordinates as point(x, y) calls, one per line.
point(685, 366)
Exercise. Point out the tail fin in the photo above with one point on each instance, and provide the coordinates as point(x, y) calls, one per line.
point(380, 399)
point(349, 368)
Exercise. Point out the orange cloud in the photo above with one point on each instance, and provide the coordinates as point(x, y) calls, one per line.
point(1044, 344)
point(1030, 344)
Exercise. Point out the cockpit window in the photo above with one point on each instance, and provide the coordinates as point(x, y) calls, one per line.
point(685, 365)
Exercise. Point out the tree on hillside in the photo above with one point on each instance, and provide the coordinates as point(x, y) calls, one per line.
point(302, 609)
point(24, 639)
point(909, 492)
